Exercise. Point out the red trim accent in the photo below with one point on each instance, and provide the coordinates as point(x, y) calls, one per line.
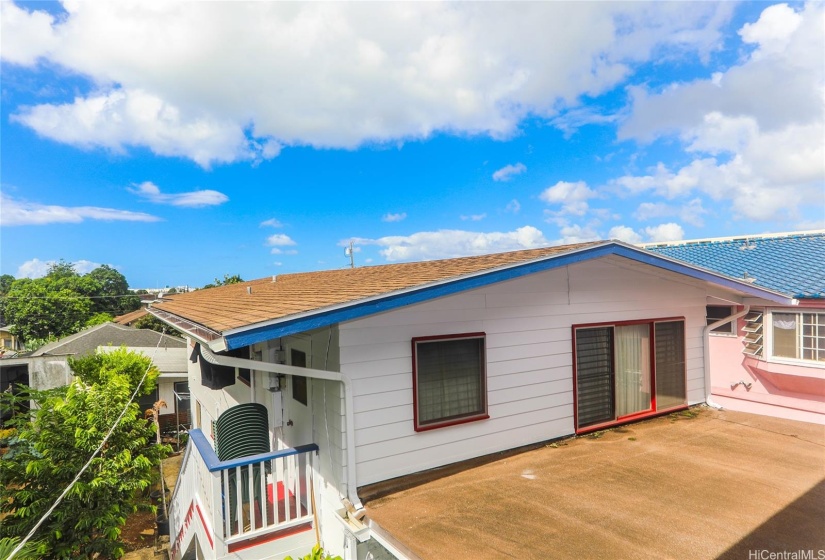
point(203, 521)
point(575, 382)
point(652, 336)
point(630, 419)
point(652, 411)
point(187, 519)
point(625, 323)
point(242, 545)
point(447, 423)
point(452, 423)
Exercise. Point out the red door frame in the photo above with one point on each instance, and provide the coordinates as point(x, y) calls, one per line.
point(652, 411)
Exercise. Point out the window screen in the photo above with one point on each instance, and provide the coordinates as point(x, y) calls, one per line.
point(450, 380)
point(670, 364)
point(594, 376)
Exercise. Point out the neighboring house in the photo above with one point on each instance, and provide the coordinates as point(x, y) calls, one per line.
point(48, 367)
point(334, 380)
point(129, 318)
point(8, 341)
point(772, 359)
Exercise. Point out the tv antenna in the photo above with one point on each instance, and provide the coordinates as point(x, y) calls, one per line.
point(351, 254)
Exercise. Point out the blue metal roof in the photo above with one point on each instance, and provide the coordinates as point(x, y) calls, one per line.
point(792, 264)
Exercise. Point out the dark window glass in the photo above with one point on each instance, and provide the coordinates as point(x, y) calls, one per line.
point(450, 380)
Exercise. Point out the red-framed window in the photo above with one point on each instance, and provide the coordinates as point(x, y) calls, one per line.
point(449, 380)
point(627, 370)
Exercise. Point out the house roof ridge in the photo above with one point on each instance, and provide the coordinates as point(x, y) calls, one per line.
point(435, 262)
point(734, 239)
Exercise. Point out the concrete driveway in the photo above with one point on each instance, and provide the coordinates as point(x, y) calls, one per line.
point(698, 484)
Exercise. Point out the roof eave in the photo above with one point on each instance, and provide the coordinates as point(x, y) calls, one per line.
point(192, 329)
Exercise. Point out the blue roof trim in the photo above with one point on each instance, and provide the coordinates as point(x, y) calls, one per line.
point(393, 301)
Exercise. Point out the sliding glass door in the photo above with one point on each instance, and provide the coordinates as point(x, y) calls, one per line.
point(632, 369)
point(627, 370)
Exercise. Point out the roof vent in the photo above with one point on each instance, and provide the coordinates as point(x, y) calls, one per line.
point(249, 289)
point(274, 278)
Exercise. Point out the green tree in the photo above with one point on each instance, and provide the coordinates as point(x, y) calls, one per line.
point(63, 301)
point(113, 296)
point(153, 323)
point(6, 281)
point(227, 279)
point(53, 444)
point(62, 269)
point(39, 309)
point(99, 319)
point(30, 551)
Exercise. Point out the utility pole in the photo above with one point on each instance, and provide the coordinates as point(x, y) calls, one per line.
point(349, 252)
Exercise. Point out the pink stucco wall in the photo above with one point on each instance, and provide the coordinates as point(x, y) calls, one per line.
point(791, 391)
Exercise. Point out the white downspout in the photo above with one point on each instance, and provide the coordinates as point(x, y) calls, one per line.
point(352, 489)
point(706, 353)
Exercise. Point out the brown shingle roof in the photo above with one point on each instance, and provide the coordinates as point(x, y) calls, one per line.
point(131, 317)
point(231, 307)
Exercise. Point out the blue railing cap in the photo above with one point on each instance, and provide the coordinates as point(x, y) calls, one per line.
point(213, 464)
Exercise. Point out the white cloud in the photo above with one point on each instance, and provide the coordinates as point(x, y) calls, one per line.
point(665, 232)
point(509, 171)
point(513, 206)
point(444, 243)
point(15, 212)
point(773, 31)
point(577, 234)
point(624, 233)
point(35, 268)
point(193, 199)
point(394, 217)
point(272, 222)
point(175, 78)
point(474, 217)
point(279, 240)
point(572, 197)
point(26, 35)
point(756, 131)
point(118, 118)
point(691, 213)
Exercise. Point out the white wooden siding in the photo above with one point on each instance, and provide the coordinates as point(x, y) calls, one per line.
point(529, 359)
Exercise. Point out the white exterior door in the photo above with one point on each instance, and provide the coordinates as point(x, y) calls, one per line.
point(297, 399)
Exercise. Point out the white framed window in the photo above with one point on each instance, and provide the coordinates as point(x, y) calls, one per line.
point(797, 335)
point(715, 312)
point(449, 380)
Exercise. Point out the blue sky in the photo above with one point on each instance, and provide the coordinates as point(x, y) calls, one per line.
point(180, 142)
